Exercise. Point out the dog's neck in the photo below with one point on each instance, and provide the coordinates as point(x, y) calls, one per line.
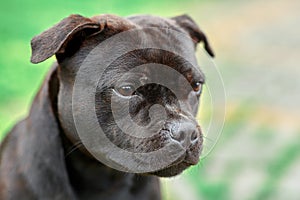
point(88, 175)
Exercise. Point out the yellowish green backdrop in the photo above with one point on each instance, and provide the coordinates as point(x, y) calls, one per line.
point(257, 45)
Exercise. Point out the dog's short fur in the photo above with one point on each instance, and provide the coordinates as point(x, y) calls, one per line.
point(42, 157)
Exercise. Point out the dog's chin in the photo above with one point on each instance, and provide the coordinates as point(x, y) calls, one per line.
point(171, 170)
point(180, 165)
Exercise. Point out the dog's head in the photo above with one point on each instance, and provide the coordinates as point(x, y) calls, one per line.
point(151, 88)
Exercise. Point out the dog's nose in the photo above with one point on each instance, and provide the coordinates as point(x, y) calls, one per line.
point(187, 134)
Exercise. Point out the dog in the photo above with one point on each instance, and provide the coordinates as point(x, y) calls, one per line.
point(43, 157)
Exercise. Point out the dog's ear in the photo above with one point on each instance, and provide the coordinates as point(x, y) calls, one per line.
point(63, 38)
point(186, 22)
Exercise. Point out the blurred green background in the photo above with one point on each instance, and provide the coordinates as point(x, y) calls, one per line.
point(257, 44)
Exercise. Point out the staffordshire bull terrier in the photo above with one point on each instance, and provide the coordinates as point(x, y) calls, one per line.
point(53, 154)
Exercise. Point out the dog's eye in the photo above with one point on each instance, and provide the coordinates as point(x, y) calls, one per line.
point(126, 90)
point(197, 87)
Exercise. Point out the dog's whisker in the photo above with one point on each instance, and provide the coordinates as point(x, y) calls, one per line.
point(207, 138)
point(74, 147)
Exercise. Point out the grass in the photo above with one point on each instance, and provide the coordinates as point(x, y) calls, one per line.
point(277, 168)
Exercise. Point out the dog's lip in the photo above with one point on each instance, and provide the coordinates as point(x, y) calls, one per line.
point(185, 158)
point(190, 159)
point(171, 170)
point(178, 166)
point(178, 161)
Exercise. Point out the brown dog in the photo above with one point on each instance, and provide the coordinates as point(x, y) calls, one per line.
point(43, 156)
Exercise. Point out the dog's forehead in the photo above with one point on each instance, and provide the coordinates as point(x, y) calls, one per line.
point(161, 31)
point(153, 21)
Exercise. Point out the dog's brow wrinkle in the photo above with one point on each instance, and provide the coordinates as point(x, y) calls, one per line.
point(172, 108)
point(182, 115)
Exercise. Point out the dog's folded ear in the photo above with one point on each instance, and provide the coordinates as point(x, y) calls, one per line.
point(186, 22)
point(63, 38)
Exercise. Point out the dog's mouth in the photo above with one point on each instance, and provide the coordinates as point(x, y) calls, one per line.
point(188, 159)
